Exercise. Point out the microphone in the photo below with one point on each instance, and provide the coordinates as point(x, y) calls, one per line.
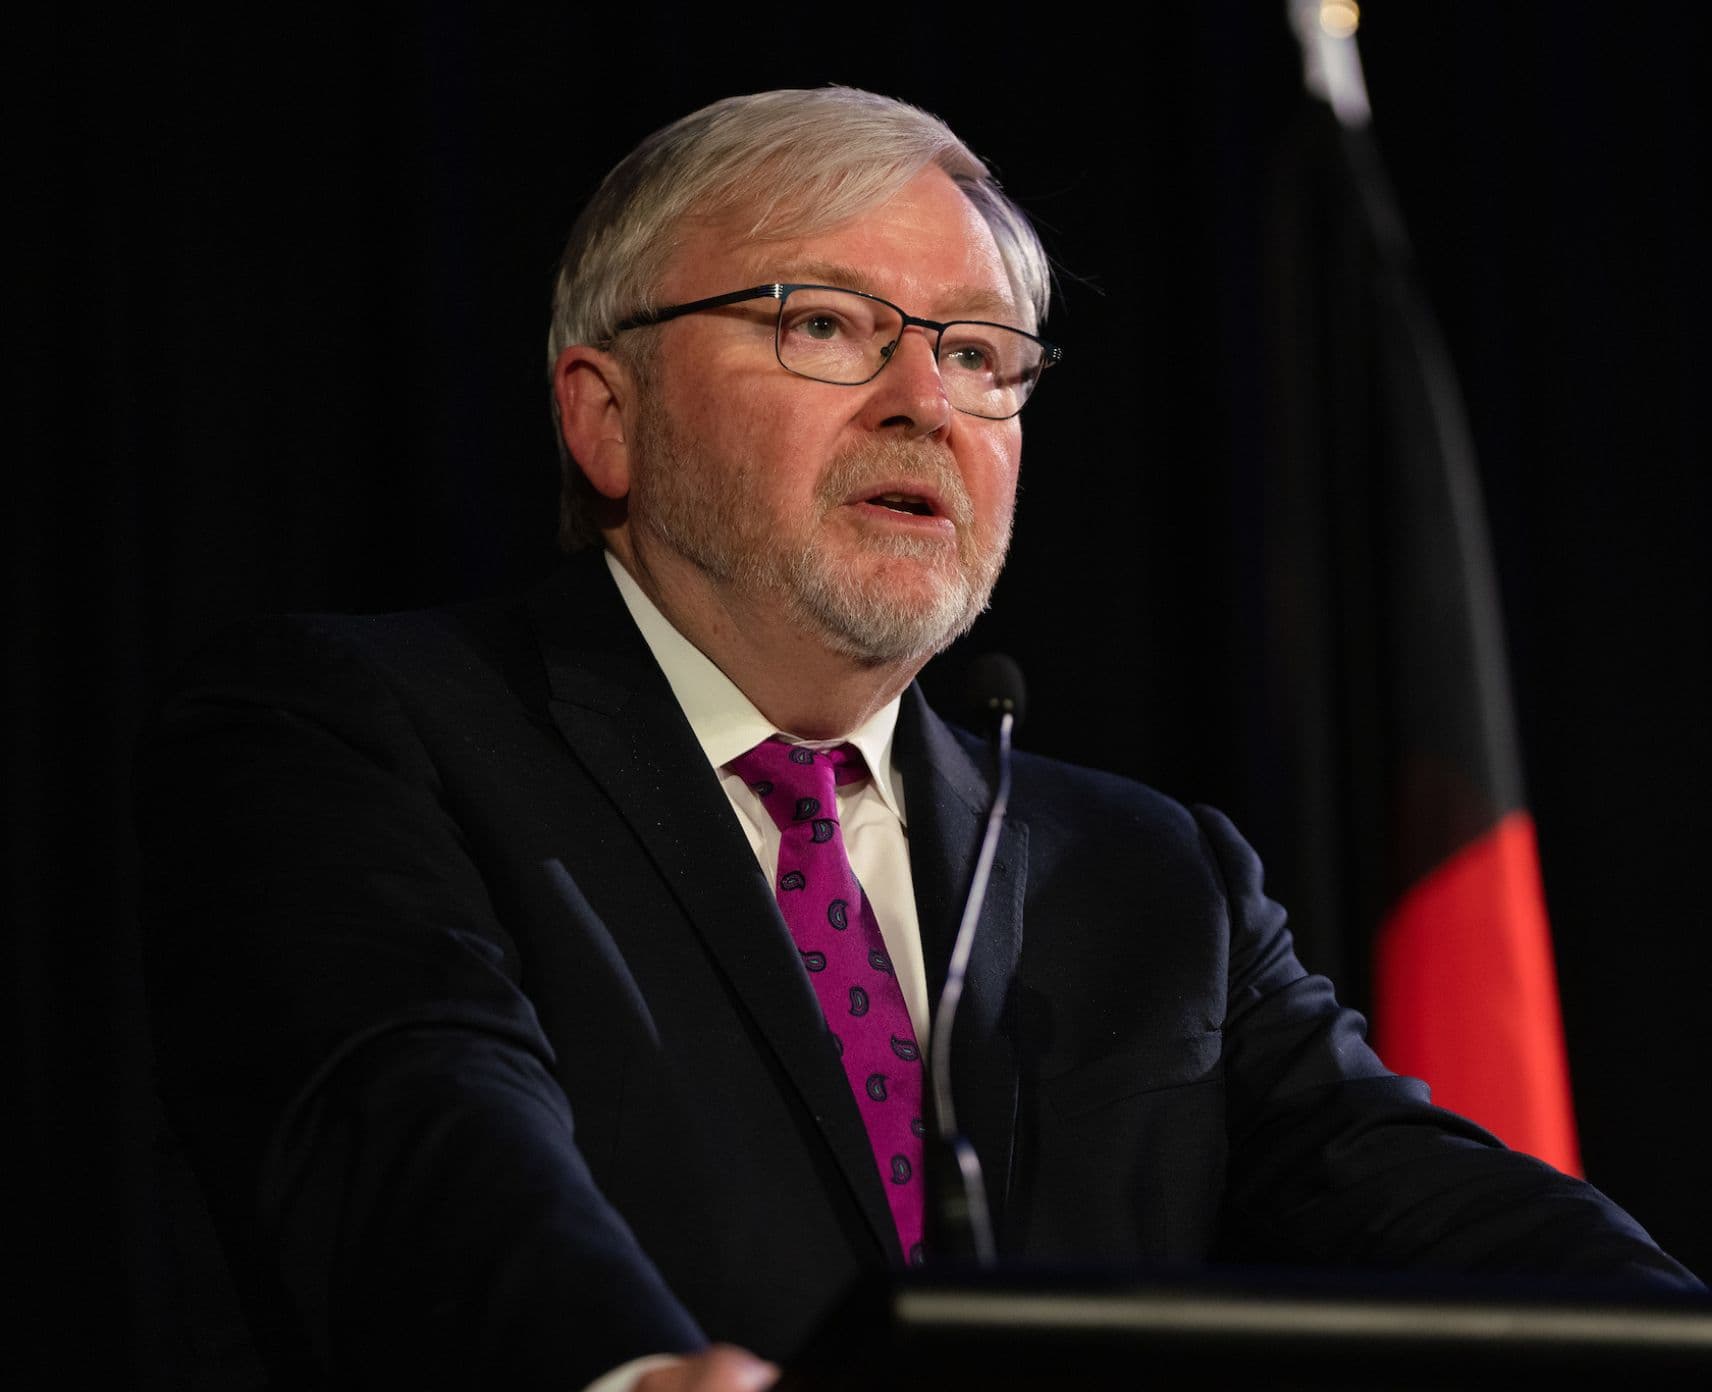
point(993, 687)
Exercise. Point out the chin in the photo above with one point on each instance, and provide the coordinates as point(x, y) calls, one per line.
point(896, 613)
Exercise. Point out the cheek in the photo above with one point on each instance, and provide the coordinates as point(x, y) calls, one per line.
point(786, 444)
point(714, 394)
point(993, 480)
point(749, 407)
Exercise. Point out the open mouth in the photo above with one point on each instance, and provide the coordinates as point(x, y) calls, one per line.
point(903, 502)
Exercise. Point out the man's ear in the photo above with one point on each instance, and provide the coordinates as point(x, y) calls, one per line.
point(593, 391)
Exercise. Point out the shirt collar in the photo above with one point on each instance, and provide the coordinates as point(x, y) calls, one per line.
point(724, 720)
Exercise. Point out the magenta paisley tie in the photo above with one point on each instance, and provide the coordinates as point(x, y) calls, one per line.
point(839, 940)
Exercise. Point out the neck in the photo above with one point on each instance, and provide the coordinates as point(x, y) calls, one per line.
point(801, 685)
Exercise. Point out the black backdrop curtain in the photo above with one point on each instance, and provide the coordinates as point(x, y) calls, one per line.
point(284, 288)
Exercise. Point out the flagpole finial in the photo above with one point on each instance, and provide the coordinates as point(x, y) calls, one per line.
point(1331, 62)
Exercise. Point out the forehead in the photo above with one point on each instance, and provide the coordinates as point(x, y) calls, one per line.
point(926, 247)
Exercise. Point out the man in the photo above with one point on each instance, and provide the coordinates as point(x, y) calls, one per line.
point(487, 1000)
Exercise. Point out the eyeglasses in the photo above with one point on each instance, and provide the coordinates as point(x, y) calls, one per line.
point(847, 337)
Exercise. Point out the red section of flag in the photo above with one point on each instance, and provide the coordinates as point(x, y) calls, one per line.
point(1465, 994)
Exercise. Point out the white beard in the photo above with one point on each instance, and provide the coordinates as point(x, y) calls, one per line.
point(726, 528)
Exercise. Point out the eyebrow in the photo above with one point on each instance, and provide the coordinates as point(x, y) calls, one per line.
point(966, 300)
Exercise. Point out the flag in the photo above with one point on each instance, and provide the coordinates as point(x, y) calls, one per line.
point(1410, 842)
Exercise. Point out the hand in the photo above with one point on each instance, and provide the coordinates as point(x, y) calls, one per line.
point(722, 1368)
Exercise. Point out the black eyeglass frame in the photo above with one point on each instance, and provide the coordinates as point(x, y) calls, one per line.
point(1050, 352)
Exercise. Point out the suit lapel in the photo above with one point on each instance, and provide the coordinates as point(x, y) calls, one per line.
point(616, 711)
point(947, 801)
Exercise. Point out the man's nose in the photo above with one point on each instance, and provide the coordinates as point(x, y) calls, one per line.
point(910, 393)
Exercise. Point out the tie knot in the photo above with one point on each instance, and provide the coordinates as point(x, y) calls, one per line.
point(796, 783)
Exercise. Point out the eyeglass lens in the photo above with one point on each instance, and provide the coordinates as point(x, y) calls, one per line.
point(841, 337)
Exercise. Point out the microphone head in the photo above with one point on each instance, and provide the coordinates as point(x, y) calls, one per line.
point(993, 686)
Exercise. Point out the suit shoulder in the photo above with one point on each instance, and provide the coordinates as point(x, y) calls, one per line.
point(1092, 798)
point(406, 651)
point(1090, 811)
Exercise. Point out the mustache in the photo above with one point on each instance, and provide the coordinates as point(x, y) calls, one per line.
point(877, 462)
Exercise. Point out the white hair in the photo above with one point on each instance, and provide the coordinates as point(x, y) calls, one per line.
point(775, 164)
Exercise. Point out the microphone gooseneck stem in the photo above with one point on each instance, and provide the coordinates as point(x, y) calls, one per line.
point(974, 1212)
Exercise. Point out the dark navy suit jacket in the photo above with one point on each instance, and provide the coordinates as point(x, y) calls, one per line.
point(484, 1033)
